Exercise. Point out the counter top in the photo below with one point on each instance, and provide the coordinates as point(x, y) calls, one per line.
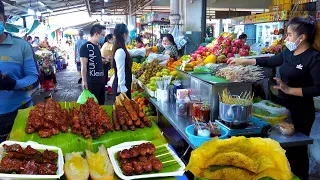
point(181, 122)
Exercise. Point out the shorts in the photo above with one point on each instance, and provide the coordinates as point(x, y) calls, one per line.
point(79, 66)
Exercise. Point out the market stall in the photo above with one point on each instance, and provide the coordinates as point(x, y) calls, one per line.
point(63, 131)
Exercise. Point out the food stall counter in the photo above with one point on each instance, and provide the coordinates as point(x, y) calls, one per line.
point(180, 123)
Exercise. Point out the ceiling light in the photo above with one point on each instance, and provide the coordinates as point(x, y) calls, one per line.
point(31, 11)
point(41, 3)
point(38, 13)
point(102, 11)
point(105, 0)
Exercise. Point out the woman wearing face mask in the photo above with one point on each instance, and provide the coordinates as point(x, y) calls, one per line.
point(299, 83)
point(122, 62)
point(168, 46)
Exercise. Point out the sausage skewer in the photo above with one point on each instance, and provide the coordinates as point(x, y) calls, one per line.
point(127, 105)
point(115, 119)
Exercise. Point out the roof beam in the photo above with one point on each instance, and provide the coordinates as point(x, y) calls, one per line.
point(88, 7)
point(14, 4)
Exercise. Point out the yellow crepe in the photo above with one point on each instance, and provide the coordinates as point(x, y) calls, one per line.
point(260, 157)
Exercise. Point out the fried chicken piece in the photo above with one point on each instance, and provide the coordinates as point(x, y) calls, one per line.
point(13, 148)
point(31, 167)
point(48, 169)
point(8, 165)
point(50, 155)
point(30, 151)
point(20, 156)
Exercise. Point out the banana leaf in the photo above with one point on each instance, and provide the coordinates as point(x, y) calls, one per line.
point(69, 142)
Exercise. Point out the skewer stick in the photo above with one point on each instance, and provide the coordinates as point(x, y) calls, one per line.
point(161, 146)
point(125, 95)
point(169, 161)
point(162, 155)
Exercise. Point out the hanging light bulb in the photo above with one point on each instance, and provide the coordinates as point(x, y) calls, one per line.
point(38, 13)
point(31, 11)
point(102, 11)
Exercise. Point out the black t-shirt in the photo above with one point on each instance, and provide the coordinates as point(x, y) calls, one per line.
point(299, 71)
point(95, 72)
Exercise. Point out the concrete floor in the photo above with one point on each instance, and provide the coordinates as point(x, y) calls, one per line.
point(68, 88)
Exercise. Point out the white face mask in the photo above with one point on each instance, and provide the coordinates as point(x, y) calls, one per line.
point(292, 46)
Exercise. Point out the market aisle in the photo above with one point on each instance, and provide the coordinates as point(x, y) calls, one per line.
point(68, 87)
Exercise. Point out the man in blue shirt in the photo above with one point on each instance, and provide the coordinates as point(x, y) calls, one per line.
point(77, 47)
point(18, 75)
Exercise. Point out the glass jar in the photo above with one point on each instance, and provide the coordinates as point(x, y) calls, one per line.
point(205, 113)
point(190, 106)
point(181, 108)
point(196, 111)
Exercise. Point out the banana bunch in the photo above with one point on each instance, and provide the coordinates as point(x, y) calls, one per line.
point(136, 67)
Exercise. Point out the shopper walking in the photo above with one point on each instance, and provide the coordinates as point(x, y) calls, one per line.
point(106, 52)
point(18, 75)
point(77, 47)
point(92, 64)
point(122, 62)
point(299, 83)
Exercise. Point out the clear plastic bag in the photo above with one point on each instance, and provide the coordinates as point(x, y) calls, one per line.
point(160, 57)
point(257, 47)
point(85, 95)
point(270, 112)
point(137, 52)
point(179, 38)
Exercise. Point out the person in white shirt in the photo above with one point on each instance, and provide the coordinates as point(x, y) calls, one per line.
point(122, 62)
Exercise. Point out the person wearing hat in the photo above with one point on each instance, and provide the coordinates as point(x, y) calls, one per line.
point(77, 47)
point(18, 75)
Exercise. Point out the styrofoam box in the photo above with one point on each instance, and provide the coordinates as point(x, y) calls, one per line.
point(113, 150)
point(36, 146)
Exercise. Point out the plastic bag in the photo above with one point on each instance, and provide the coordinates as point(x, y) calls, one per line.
point(314, 148)
point(257, 47)
point(160, 57)
point(137, 52)
point(85, 95)
point(270, 112)
point(179, 38)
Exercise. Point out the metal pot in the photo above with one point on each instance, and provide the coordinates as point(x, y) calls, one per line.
point(234, 113)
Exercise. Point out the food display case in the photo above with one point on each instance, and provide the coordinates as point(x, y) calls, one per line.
point(206, 87)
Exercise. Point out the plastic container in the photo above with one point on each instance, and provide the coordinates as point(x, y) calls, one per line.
point(197, 140)
point(36, 146)
point(113, 150)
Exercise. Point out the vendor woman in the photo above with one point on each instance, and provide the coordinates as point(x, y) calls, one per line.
point(299, 83)
point(122, 62)
point(168, 46)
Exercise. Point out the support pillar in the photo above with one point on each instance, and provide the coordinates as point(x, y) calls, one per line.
point(174, 13)
point(24, 22)
point(194, 15)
